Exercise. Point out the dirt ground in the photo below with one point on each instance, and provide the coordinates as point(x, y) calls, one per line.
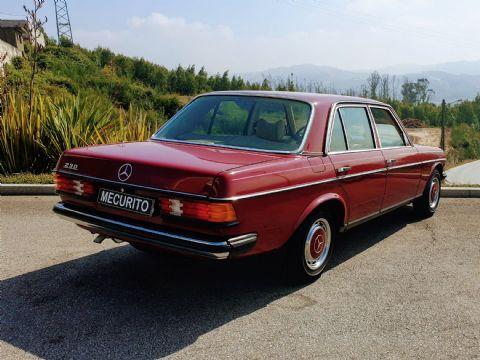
point(427, 136)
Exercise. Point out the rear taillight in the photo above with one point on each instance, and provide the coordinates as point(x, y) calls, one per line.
point(77, 187)
point(207, 211)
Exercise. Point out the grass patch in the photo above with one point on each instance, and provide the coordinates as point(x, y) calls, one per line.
point(26, 178)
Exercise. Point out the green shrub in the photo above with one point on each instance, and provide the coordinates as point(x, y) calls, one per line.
point(60, 123)
point(18, 62)
point(466, 142)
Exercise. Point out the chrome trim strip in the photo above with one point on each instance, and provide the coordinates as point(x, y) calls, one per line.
point(379, 213)
point(405, 165)
point(62, 207)
point(434, 160)
point(378, 143)
point(296, 151)
point(128, 185)
point(229, 147)
point(400, 203)
point(293, 187)
point(246, 196)
point(268, 192)
point(353, 151)
point(234, 242)
point(242, 240)
point(415, 164)
point(362, 173)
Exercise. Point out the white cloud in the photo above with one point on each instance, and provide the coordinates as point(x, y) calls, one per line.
point(357, 41)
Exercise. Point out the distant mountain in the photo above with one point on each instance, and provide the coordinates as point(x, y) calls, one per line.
point(456, 68)
point(451, 85)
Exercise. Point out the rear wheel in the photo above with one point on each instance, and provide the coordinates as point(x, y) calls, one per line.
point(426, 205)
point(311, 248)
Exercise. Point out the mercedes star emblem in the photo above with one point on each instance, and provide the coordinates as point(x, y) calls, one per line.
point(125, 172)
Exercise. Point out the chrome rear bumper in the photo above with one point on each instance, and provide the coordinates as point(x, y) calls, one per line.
point(119, 229)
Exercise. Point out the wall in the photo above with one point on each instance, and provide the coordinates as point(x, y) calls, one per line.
point(9, 50)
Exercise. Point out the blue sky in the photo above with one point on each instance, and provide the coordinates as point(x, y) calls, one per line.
point(253, 35)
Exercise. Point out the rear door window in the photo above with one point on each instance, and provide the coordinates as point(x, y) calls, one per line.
point(357, 128)
point(388, 130)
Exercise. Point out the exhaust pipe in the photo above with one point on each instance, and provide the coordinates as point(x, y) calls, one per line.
point(99, 239)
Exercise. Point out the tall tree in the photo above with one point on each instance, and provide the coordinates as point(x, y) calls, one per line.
point(409, 92)
point(423, 90)
point(202, 80)
point(384, 92)
point(373, 82)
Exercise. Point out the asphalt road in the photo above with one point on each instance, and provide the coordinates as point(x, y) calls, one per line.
point(397, 288)
point(466, 174)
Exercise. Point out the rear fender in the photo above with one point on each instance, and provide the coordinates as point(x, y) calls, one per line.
point(427, 172)
point(323, 199)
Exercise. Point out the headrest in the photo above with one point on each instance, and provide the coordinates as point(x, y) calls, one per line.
point(272, 131)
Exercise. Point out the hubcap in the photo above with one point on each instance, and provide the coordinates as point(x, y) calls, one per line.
point(317, 244)
point(434, 192)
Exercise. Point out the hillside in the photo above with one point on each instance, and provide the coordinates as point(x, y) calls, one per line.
point(446, 85)
point(117, 79)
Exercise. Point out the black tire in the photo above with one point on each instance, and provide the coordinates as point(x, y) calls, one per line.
point(426, 205)
point(314, 240)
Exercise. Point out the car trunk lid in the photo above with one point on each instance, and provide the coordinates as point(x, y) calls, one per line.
point(179, 167)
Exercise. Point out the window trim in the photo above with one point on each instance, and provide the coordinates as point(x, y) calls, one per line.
point(344, 133)
point(335, 107)
point(395, 118)
point(297, 151)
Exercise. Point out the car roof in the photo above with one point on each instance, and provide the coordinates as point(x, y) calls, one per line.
point(323, 99)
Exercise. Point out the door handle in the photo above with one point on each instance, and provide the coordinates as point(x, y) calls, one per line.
point(391, 161)
point(343, 169)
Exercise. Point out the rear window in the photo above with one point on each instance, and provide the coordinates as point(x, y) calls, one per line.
point(240, 121)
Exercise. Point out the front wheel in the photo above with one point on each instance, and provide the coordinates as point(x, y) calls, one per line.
point(311, 248)
point(426, 205)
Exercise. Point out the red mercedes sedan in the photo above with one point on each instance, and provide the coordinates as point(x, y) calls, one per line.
point(240, 173)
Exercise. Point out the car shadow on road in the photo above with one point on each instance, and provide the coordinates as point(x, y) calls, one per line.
point(121, 303)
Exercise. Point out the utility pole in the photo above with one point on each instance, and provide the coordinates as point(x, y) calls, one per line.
point(442, 136)
point(64, 29)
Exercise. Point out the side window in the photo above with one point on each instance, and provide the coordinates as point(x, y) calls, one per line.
point(337, 143)
point(388, 131)
point(357, 128)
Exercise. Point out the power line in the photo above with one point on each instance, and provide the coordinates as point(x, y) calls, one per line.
point(379, 22)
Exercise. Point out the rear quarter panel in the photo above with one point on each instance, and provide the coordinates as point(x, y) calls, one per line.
point(433, 157)
point(287, 190)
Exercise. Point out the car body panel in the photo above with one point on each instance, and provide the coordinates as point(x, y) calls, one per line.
point(165, 165)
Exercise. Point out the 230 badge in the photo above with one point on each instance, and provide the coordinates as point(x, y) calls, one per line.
point(70, 166)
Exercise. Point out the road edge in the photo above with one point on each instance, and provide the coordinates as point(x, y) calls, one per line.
point(49, 189)
point(27, 189)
